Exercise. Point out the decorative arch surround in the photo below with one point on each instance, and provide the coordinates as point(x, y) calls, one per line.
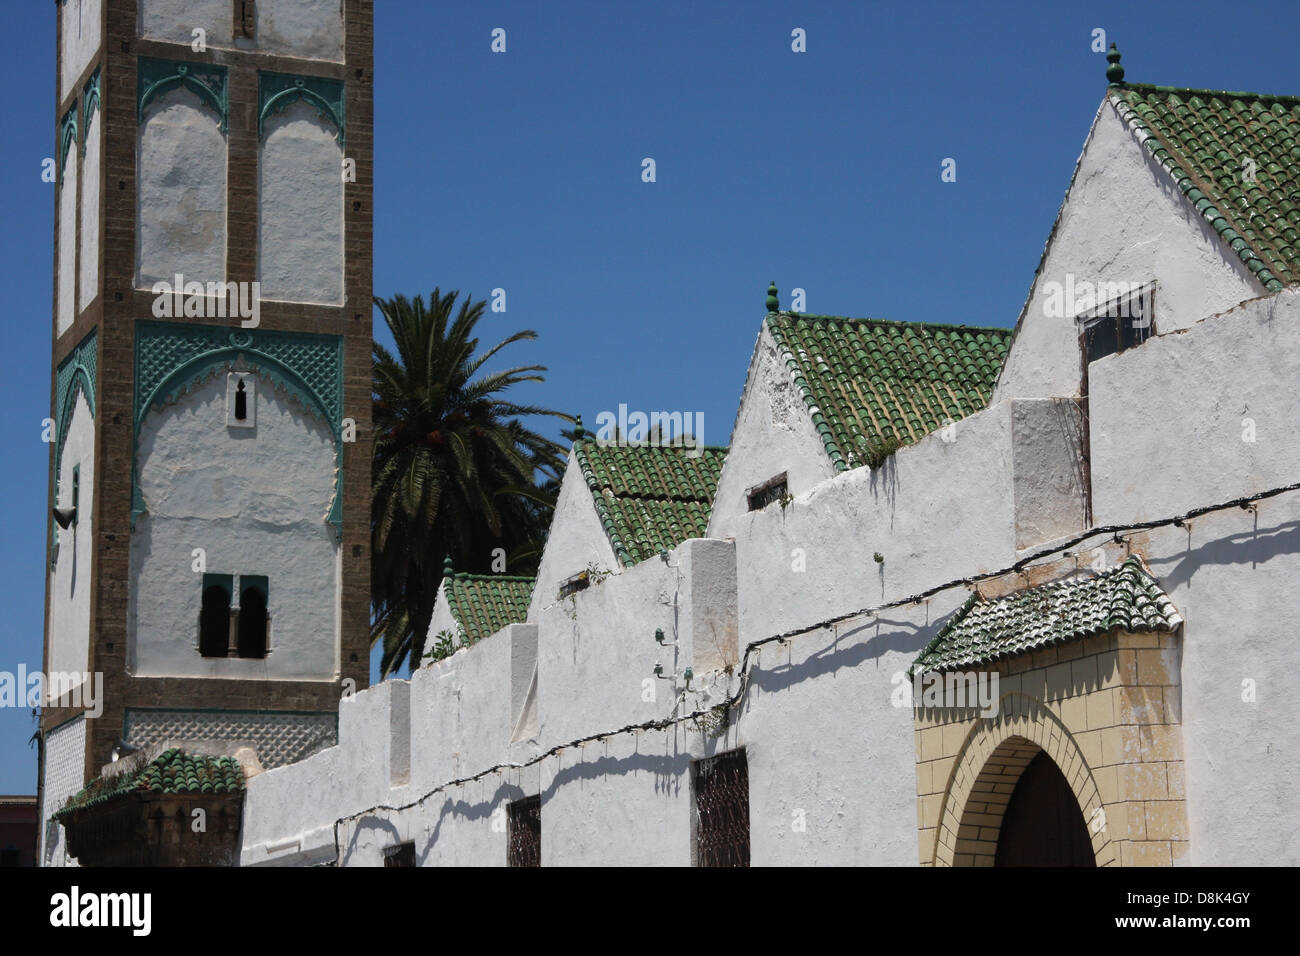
point(67, 136)
point(987, 768)
point(276, 92)
point(89, 104)
point(156, 77)
point(170, 359)
point(76, 375)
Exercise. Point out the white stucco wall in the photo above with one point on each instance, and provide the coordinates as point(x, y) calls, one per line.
point(1167, 450)
point(255, 500)
point(69, 586)
point(773, 434)
point(1232, 576)
point(576, 540)
point(89, 255)
point(1123, 219)
point(181, 194)
point(303, 28)
point(67, 248)
point(80, 26)
point(176, 20)
point(300, 208)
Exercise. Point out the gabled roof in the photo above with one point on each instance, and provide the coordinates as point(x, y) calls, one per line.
point(485, 603)
point(649, 497)
point(981, 632)
point(1211, 142)
point(172, 771)
point(872, 383)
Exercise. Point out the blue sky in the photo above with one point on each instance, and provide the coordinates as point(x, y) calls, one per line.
point(522, 171)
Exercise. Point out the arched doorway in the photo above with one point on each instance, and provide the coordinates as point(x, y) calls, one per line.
point(1043, 825)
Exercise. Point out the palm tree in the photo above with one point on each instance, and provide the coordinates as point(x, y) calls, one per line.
point(455, 471)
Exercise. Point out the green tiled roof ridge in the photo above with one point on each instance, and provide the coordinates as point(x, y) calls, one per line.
point(1220, 211)
point(839, 456)
point(1286, 98)
point(481, 615)
point(903, 323)
point(1114, 598)
point(172, 771)
point(617, 535)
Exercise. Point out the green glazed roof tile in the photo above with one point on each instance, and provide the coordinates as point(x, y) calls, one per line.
point(1211, 142)
point(485, 603)
point(649, 497)
point(983, 631)
point(172, 771)
point(869, 383)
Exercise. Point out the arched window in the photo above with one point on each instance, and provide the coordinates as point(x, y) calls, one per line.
point(253, 616)
point(241, 402)
point(214, 618)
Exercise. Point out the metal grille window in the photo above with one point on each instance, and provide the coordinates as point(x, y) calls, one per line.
point(524, 832)
point(401, 854)
point(722, 810)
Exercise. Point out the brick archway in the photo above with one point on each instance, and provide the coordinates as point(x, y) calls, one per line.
point(986, 770)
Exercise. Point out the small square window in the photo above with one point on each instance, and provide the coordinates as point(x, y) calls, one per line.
point(1123, 322)
point(774, 489)
point(241, 409)
point(579, 582)
point(401, 854)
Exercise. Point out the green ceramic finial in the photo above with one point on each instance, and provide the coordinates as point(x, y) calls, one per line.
point(446, 566)
point(579, 433)
point(1114, 72)
point(773, 303)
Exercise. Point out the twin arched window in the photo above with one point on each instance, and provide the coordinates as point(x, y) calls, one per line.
point(227, 629)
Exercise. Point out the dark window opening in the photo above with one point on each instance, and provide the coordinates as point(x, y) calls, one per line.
point(246, 19)
point(774, 489)
point(1123, 323)
point(214, 618)
point(579, 582)
point(524, 832)
point(253, 616)
point(241, 402)
point(401, 854)
point(11, 856)
point(722, 810)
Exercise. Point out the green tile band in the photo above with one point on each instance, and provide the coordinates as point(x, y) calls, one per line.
point(278, 91)
point(156, 77)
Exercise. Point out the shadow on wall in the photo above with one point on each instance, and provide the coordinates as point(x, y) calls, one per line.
point(899, 637)
point(1254, 547)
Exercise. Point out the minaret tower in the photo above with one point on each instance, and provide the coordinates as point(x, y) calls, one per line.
point(210, 449)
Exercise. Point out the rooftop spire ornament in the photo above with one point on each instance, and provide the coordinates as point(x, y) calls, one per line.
point(773, 303)
point(579, 433)
point(1114, 72)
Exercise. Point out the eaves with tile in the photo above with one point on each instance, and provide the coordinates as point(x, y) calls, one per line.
point(649, 498)
point(982, 632)
point(485, 603)
point(872, 385)
point(171, 772)
point(1235, 156)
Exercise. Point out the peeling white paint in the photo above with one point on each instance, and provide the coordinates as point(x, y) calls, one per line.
point(254, 500)
point(300, 209)
point(89, 254)
point(181, 196)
